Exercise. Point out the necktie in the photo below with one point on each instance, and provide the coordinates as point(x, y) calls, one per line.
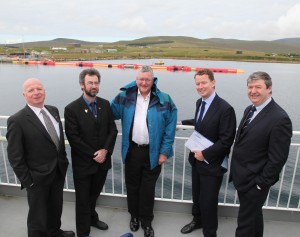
point(50, 128)
point(94, 108)
point(248, 118)
point(201, 113)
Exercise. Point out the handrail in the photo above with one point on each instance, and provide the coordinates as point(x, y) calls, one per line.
point(174, 184)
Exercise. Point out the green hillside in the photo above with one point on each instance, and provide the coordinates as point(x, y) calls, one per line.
point(281, 50)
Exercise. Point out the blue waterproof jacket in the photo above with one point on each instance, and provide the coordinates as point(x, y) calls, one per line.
point(161, 120)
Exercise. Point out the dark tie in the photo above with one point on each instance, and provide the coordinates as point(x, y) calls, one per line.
point(201, 113)
point(248, 118)
point(93, 106)
point(50, 128)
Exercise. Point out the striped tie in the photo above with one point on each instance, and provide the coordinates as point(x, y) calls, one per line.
point(50, 128)
point(248, 118)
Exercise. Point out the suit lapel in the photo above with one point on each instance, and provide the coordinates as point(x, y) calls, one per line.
point(99, 110)
point(57, 118)
point(36, 122)
point(86, 110)
point(213, 108)
point(53, 113)
point(260, 115)
point(258, 118)
point(238, 133)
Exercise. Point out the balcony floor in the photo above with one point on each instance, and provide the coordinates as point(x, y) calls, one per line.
point(13, 216)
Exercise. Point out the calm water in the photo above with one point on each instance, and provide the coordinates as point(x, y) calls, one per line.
point(62, 86)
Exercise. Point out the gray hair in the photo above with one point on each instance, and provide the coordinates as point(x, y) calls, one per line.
point(90, 72)
point(146, 68)
point(260, 76)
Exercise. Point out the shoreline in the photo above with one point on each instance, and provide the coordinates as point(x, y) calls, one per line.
point(54, 59)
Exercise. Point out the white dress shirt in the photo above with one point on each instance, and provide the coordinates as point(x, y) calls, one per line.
point(38, 113)
point(140, 133)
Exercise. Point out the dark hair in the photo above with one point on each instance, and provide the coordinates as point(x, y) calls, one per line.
point(90, 72)
point(207, 72)
point(260, 76)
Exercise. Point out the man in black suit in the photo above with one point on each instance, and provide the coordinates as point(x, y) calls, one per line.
point(39, 160)
point(214, 119)
point(92, 132)
point(260, 151)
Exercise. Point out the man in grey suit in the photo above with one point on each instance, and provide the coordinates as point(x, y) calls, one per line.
point(260, 151)
point(92, 132)
point(214, 119)
point(36, 152)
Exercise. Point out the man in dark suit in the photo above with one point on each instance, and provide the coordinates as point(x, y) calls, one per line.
point(215, 120)
point(260, 151)
point(92, 132)
point(39, 160)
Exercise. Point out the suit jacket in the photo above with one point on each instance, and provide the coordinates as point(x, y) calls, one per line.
point(87, 134)
point(31, 151)
point(219, 126)
point(260, 152)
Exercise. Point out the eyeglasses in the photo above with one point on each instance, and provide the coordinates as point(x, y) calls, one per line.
point(90, 83)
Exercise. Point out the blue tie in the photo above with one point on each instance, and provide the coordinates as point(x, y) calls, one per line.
point(94, 108)
point(201, 113)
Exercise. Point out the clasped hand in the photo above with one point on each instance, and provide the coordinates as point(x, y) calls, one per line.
point(100, 155)
point(198, 155)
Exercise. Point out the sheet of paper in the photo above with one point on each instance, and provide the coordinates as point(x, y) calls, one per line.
point(198, 142)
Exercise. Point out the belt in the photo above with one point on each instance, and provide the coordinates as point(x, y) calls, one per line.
point(139, 145)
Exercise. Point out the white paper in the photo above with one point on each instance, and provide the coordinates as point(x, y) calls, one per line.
point(198, 142)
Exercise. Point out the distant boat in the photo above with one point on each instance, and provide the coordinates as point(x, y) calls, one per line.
point(159, 62)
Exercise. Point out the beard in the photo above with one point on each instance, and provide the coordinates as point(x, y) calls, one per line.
point(91, 92)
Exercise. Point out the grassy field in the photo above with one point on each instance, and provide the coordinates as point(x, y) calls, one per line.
point(177, 53)
point(164, 47)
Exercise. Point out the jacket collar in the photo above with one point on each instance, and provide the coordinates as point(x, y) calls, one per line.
point(131, 90)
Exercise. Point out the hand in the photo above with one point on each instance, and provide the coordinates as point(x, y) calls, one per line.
point(100, 155)
point(178, 123)
point(198, 155)
point(162, 159)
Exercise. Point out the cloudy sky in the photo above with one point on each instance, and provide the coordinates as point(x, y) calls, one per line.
point(113, 20)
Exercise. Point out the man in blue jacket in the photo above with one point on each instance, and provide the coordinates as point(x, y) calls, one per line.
point(148, 119)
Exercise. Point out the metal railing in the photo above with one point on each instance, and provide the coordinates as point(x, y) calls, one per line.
point(174, 184)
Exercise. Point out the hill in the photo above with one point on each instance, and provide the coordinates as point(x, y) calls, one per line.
point(58, 42)
point(280, 46)
point(176, 47)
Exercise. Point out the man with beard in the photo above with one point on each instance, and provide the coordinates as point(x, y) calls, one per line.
point(92, 132)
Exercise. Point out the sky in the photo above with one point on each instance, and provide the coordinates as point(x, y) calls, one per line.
point(111, 20)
